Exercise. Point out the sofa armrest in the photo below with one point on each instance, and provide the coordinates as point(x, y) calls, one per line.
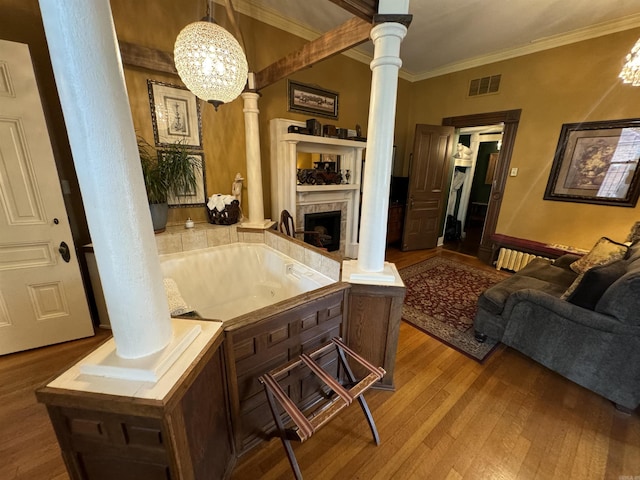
point(571, 312)
point(565, 260)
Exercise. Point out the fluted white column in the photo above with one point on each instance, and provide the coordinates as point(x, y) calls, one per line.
point(88, 72)
point(254, 163)
point(387, 38)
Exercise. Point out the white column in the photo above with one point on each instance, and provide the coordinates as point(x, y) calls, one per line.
point(387, 38)
point(254, 163)
point(88, 72)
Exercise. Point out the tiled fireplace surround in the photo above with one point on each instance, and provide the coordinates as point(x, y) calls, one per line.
point(303, 209)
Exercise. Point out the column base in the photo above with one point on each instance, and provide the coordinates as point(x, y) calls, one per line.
point(105, 362)
point(263, 224)
point(388, 276)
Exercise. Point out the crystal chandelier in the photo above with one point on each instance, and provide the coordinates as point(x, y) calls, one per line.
point(210, 62)
point(631, 71)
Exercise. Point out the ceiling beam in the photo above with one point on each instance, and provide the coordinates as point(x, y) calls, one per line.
point(351, 33)
point(149, 58)
point(365, 9)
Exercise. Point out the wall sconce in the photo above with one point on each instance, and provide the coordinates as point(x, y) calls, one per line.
point(210, 61)
point(631, 71)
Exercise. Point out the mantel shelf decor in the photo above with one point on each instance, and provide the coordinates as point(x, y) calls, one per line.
point(597, 162)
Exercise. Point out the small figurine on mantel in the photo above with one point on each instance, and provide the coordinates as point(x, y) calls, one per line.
point(236, 188)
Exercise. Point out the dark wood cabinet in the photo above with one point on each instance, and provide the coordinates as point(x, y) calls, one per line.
point(186, 435)
point(395, 223)
point(374, 324)
point(257, 346)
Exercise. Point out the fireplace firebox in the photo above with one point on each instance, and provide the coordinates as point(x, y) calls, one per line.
point(328, 225)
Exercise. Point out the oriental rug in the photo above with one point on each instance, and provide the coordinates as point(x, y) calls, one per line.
point(441, 300)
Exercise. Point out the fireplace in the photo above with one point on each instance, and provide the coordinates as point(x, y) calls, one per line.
point(305, 199)
point(328, 225)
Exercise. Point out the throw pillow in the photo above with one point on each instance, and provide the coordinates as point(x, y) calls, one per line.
point(603, 252)
point(634, 234)
point(589, 286)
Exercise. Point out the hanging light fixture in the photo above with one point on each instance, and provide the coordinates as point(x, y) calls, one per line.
point(210, 61)
point(631, 71)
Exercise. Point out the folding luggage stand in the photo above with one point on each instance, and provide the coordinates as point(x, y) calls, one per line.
point(305, 427)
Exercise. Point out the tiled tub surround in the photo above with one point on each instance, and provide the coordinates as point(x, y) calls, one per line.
point(205, 235)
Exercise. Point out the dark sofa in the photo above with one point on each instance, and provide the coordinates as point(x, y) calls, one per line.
point(591, 337)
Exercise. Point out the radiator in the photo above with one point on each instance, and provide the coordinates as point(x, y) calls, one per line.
point(514, 260)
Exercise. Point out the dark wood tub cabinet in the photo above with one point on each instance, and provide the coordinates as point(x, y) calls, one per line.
point(257, 345)
point(186, 435)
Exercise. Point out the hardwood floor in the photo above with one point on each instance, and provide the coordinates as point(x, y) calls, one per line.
point(452, 418)
point(449, 418)
point(28, 446)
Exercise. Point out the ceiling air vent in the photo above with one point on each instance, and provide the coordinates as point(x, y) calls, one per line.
point(484, 85)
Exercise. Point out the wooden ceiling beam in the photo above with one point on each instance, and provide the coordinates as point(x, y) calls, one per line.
point(365, 9)
point(351, 33)
point(149, 58)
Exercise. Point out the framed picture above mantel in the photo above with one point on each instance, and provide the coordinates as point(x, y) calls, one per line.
point(597, 162)
point(312, 100)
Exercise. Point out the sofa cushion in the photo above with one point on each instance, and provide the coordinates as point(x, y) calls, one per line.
point(634, 234)
point(494, 298)
point(622, 298)
point(604, 251)
point(589, 286)
point(542, 269)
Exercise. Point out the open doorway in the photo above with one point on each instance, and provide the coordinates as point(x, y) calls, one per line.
point(510, 120)
point(475, 162)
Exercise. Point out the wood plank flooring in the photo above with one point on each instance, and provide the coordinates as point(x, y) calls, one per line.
point(452, 418)
point(449, 418)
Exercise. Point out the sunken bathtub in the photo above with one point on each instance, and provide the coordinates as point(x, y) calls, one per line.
point(273, 307)
point(227, 281)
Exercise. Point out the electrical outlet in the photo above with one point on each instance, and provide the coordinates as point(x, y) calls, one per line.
point(514, 172)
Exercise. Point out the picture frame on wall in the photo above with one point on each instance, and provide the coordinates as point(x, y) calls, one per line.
point(312, 100)
point(597, 162)
point(198, 196)
point(175, 114)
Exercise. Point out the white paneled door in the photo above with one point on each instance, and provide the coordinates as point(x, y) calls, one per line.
point(42, 298)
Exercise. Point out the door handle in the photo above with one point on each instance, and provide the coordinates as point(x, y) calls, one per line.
point(411, 203)
point(65, 253)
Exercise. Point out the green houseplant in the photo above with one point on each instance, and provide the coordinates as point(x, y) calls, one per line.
point(170, 172)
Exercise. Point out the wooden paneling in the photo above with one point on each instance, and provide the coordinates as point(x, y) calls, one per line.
point(187, 435)
point(276, 339)
point(372, 330)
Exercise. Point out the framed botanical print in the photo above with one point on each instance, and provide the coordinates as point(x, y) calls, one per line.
point(175, 114)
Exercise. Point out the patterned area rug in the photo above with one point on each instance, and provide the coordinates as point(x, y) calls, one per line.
point(441, 300)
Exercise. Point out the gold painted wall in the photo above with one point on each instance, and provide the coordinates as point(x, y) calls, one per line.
point(569, 84)
point(565, 85)
point(156, 23)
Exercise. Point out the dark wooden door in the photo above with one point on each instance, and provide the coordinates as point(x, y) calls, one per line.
point(428, 181)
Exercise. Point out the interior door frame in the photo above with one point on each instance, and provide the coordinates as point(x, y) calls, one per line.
point(511, 120)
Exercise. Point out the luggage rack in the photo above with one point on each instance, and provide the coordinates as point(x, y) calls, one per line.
point(305, 426)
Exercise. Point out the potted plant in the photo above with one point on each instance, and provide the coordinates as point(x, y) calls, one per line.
point(168, 173)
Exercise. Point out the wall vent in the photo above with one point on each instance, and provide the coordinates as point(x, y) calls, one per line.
point(484, 85)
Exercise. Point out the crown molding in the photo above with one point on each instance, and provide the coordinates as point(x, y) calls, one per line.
point(271, 17)
point(538, 45)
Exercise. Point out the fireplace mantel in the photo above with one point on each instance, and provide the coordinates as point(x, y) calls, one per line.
point(286, 194)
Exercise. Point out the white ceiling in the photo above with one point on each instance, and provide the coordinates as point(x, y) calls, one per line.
point(451, 35)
